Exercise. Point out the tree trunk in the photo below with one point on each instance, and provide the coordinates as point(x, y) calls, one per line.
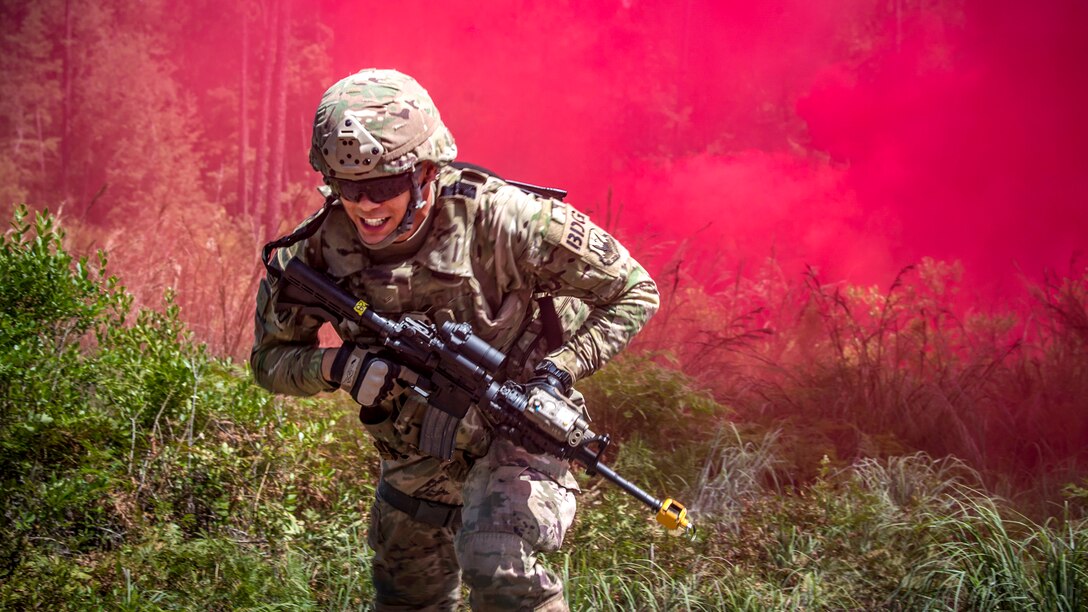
point(898, 25)
point(279, 120)
point(264, 127)
point(243, 117)
point(66, 107)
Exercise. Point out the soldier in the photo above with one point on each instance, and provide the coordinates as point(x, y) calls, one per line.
point(415, 236)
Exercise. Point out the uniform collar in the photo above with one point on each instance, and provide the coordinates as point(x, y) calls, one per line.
point(447, 248)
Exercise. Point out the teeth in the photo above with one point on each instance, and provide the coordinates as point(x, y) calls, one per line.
point(375, 222)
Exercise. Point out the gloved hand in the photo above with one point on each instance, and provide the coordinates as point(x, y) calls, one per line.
point(371, 376)
point(551, 378)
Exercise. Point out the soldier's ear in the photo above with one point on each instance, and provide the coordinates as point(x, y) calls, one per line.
point(429, 171)
point(426, 181)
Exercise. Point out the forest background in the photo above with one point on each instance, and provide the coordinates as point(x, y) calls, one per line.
point(867, 218)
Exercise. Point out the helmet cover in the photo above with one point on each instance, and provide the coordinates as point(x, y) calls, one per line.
point(377, 123)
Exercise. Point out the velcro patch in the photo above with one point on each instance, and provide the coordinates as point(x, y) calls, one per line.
point(603, 246)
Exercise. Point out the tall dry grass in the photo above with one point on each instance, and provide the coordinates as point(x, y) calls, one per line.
point(866, 372)
point(207, 260)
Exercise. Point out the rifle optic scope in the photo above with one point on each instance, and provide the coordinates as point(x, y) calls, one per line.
point(461, 338)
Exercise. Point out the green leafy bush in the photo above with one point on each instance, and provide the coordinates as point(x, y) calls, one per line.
point(52, 432)
point(138, 472)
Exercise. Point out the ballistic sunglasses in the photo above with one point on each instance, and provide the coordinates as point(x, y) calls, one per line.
point(376, 190)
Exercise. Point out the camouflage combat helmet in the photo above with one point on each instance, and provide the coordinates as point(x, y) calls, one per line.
point(376, 124)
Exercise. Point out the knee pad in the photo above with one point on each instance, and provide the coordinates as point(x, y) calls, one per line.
point(489, 556)
point(502, 572)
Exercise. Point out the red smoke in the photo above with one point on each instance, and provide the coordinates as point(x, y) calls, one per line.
point(856, 137)
point(970, 141)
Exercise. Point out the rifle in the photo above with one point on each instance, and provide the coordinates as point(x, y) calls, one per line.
point(457, 369)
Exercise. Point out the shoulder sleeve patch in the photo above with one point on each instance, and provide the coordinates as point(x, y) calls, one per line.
point(603, 246)
point(573, 231)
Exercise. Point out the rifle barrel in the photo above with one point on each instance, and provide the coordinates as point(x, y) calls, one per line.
point(631, 488)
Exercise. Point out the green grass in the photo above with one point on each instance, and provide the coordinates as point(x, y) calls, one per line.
point(988, 558)
point(138, 472)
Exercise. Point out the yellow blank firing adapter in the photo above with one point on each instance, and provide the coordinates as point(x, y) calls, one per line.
point(674, 516)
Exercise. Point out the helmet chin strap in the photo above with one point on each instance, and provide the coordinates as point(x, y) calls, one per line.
point(415, 204)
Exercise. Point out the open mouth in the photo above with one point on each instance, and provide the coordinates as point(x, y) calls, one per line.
point(375, 223)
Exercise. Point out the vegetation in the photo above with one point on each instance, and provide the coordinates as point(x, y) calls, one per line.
point(151, 128)
point(137, 471)
point(859, 372)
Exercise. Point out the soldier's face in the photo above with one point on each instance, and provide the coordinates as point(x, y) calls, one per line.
point(375, 221)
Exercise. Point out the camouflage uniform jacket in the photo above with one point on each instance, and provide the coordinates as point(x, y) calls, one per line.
point(489, 249)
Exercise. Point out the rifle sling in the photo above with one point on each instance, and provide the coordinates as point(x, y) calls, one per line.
point(302, 232)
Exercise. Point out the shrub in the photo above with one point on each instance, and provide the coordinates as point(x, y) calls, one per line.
point(50, 430)
point(137, 472)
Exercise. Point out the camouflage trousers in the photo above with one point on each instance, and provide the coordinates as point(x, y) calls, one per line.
point(512, 511)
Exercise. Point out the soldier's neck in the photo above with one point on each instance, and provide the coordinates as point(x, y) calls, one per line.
point(399, 251)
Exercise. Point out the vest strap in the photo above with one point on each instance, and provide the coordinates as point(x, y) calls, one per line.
point(425, 511)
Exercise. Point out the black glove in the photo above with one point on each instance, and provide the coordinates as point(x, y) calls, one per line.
point(552, 379)
point(371, 376)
